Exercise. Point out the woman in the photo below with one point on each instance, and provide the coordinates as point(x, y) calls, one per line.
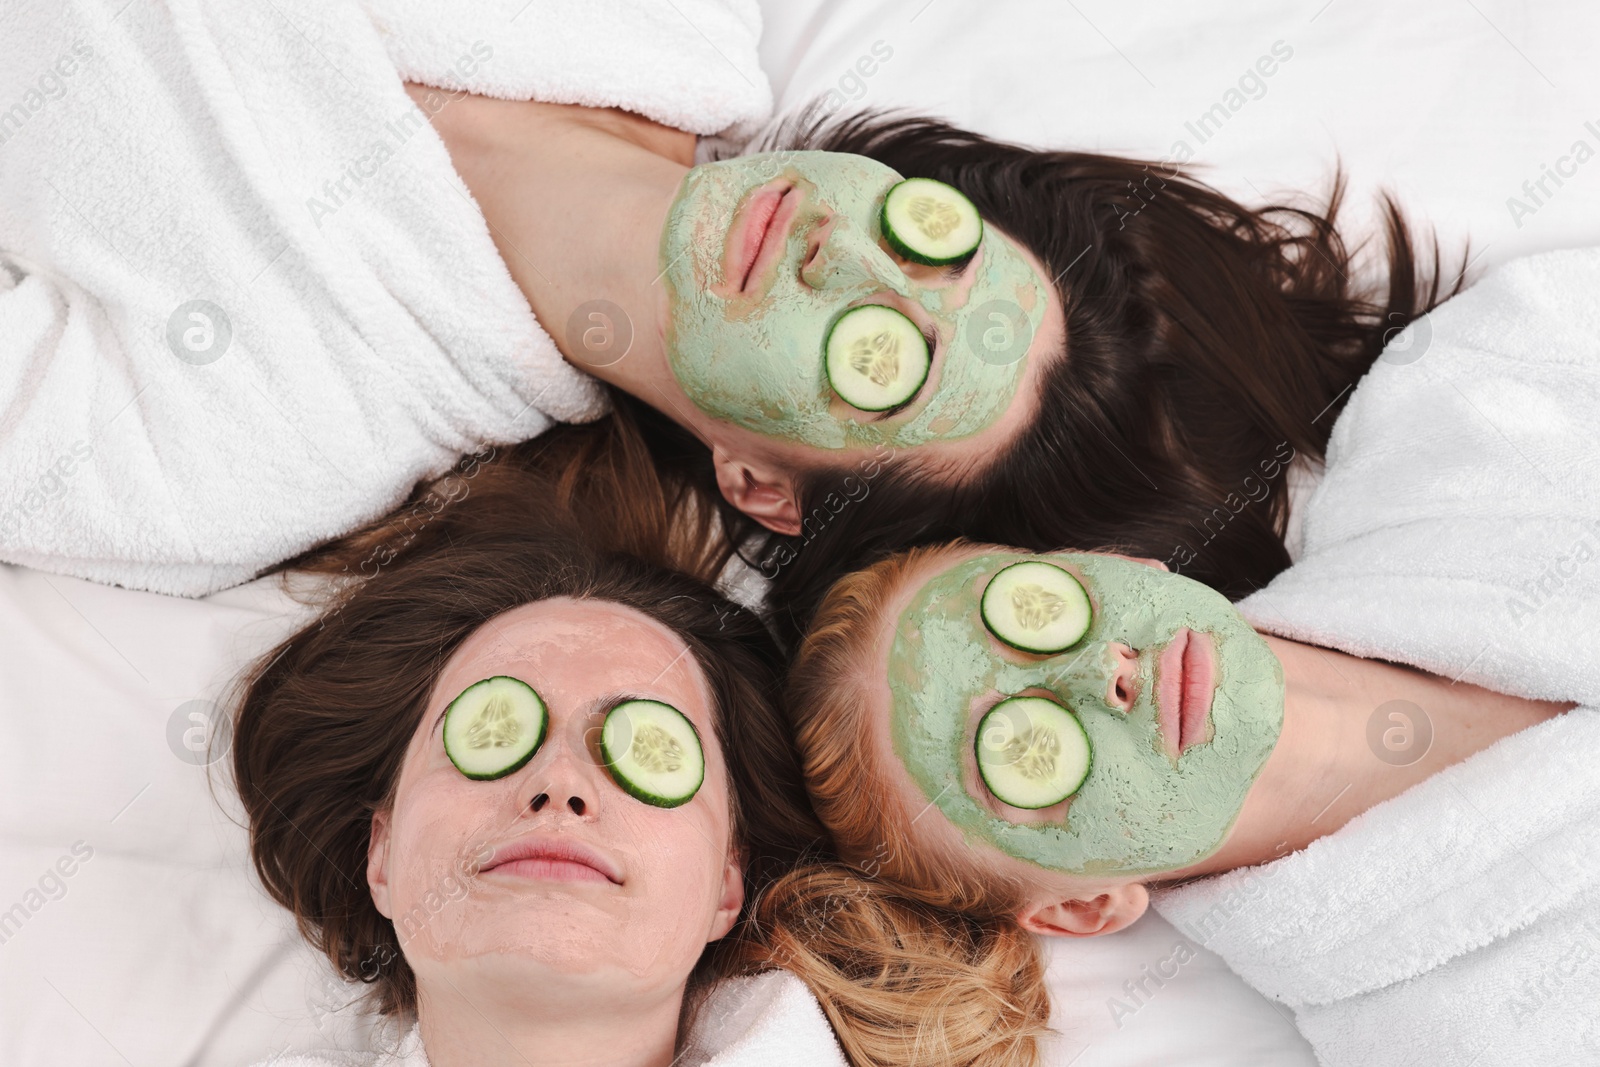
point(1456, 530)
point(436, 788)
point(1048, 738)
point(1370, 804)
point(1166, 295)
point(1119, 342)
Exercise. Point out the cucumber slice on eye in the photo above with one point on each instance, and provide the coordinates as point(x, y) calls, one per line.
point(494, 727)
point(930, 222)
point(876, 358)
point(1036, 607)
point(1032, 752)
point(653, 751)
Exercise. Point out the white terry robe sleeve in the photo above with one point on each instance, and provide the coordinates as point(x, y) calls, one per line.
point(688, 64)
point(1457, 525)
point(1457, 529)
point(245, 300)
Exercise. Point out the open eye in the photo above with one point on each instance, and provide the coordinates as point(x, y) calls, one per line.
point(875, 357)
point(494, 727)
point(929, 222)
point(1036, 607)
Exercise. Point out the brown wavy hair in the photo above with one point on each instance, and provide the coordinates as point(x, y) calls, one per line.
point(322, 723)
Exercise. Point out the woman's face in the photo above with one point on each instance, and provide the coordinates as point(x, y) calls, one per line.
point(616, 894)
point(1180, 699)
point(762, 253)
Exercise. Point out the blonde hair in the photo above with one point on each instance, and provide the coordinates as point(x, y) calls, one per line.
point(902, 982)
point(992, 1006)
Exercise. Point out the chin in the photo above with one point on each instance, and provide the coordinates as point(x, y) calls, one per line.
point(610, 966)
point(560, 934)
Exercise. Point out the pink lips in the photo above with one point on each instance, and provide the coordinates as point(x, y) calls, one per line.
point(750, 248)
point(552, 859)
point(1186, 679)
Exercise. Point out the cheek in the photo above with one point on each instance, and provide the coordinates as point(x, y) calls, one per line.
point(680, 861)
point(438, 839)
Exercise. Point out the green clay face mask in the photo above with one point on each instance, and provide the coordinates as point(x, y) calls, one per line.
point(745, 339)
point(1143, 809)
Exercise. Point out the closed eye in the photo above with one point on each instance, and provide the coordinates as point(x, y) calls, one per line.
point(954, 272)
point(932, 338)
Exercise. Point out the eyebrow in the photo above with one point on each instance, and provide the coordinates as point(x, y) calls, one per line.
point(956, 271)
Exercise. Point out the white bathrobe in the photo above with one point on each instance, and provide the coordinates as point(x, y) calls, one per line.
point(767, 1020)
point(1457, 529)
point(245, 300)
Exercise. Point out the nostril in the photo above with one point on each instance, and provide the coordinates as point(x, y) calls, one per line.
point(812, 252)
point(575, 805)
point(815, 240)
point(539, 801)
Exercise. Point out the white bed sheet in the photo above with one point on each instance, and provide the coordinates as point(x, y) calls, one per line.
point(1453, 104)
point(157, 949)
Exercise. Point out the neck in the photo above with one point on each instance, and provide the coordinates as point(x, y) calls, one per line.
point(470, 1023)
point(575, 199)
point(1333, 762)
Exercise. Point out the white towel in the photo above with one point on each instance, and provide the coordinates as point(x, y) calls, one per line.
point(767, 1020)
point(245, 300)
point(1457, 529)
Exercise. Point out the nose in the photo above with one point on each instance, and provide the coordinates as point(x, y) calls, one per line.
point(1122, 686)
point(563, 783)
point(841, 256)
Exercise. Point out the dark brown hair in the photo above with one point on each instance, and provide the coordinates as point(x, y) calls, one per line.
point(1208, 344)
point(638, 486)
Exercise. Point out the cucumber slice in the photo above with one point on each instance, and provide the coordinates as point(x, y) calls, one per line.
point(930, 222)
point(653, 751)
point(1032, 752)
point(1036, 607)
point(876, 357)
point(494, 727)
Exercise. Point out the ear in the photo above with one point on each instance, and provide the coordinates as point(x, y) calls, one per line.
point(1105, 914)
point(732, 897)
point(761, 493)
point(378, 863)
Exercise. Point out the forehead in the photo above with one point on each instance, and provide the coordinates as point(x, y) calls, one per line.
point(932, 829)
point(880, 700)
point(960, 457)
point(575, 650)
